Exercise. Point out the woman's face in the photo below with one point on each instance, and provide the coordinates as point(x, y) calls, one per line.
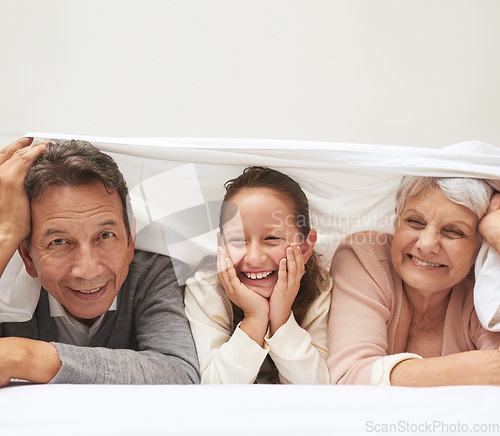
point(435, 243)
point(258, 235)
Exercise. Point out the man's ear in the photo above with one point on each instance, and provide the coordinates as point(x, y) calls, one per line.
point(28, 261)
point(307, 246)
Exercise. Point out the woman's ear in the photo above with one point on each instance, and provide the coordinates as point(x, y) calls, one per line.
point(307, 246)
point(28, 261)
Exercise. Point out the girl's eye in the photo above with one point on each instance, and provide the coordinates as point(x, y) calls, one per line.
point(107, 235)
point(237, 241)
point(57, 242)
point(274, 239)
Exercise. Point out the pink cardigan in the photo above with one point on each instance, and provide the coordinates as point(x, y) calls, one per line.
point(370, 315)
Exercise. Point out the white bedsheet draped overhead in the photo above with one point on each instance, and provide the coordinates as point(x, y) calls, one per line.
point(176, 186)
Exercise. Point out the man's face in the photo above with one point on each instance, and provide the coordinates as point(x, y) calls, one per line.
point(80, 249)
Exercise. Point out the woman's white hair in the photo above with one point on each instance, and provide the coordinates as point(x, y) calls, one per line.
point(474, 194)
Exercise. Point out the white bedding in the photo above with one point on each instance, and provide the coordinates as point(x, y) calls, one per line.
point(176, 185)
point(62, 410)
point(351, 187)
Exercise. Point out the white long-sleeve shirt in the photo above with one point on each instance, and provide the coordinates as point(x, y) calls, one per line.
point(227, 355)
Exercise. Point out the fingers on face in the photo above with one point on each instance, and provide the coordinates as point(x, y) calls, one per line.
point(294, 259)
point(282, 271)
point(226, 270)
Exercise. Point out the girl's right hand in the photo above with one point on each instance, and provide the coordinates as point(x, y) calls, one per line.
point(247, 300)
point(254, 306)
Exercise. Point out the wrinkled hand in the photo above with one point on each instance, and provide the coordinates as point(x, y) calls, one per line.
point(27, 359)
point(15, 161)
point(291, 270)
point(254, 306)
point(489, 226)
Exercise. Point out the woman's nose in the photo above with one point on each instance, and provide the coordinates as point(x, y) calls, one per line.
point(428, 241)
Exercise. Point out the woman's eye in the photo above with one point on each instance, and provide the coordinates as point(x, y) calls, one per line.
point(453, 233)
point(415, 223)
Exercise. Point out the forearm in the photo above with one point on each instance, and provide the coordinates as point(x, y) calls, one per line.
point(297, 358)
point(255, 328)
point(237, 361)
point(480, 367)
point(95, 365)
point(28, 359)
point(8, 246)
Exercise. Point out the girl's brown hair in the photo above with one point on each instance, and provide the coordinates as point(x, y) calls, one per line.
point(263, 177)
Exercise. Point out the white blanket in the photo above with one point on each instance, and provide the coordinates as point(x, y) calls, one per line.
point(176, 186)
point(250, 410)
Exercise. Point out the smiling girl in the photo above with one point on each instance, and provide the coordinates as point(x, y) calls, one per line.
point(258, 312)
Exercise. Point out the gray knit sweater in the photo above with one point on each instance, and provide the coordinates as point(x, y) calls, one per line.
point(147, 340)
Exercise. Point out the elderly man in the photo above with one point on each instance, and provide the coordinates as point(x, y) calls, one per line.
point(106, 314)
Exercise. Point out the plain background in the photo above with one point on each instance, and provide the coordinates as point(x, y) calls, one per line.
point(397, 72)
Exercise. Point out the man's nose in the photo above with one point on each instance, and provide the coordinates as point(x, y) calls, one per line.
point(85, 262)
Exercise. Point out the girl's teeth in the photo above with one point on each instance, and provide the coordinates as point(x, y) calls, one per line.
point(258, 275)
point(424, 263)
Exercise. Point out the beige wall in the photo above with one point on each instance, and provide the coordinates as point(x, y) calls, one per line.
point(403, 72)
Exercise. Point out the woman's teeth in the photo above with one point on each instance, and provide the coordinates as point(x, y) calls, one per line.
point(423, 262)
point(259, 275)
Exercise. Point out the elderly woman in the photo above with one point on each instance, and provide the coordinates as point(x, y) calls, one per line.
point(402, 308)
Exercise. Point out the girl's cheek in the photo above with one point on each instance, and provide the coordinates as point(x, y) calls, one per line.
point(235, 253)
point(279, 251)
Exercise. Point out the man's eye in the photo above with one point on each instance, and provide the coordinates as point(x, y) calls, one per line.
point(57, 242)
point(107, 235)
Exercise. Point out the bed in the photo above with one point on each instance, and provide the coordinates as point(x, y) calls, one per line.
point(176, 185)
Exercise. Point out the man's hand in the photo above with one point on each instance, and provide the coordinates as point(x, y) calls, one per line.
point(27, 359)
point(15, 161)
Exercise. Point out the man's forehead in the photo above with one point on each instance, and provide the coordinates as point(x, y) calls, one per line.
point(77, 203)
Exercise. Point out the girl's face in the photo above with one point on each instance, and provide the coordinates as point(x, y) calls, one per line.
point(258, 235)
point(435, 243)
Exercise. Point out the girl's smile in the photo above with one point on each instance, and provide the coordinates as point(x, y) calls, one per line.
point(257, 237)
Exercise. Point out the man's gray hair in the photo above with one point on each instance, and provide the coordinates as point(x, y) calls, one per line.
point(474, 194)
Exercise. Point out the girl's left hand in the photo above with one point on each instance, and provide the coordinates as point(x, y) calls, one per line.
point(291, 270)
point(489, 226)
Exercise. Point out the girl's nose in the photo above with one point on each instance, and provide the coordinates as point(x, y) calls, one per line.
point(254, 254)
